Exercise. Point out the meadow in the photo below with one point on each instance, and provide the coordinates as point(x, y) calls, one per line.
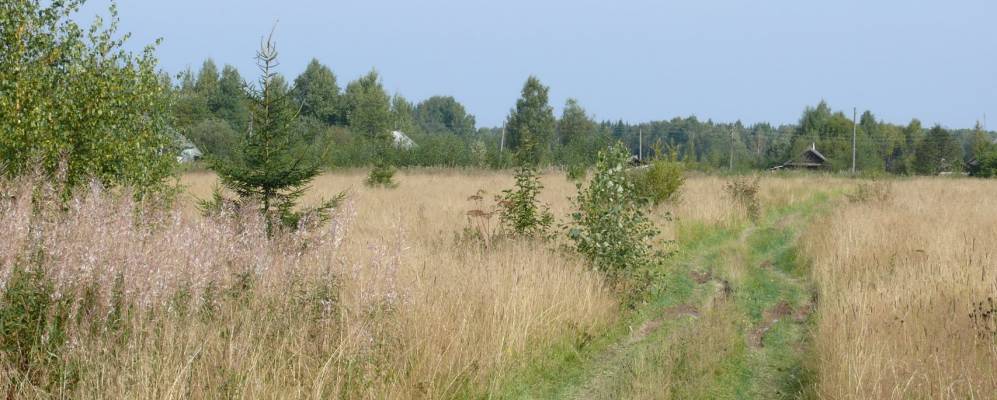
point(906, 277)
point(367, 246)
point(391, 300)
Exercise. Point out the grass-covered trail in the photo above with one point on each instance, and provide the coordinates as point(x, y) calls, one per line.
point(728, 321)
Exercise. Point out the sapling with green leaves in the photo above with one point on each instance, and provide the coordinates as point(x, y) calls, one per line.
point(609, 225)
point(76, 105)
point(521, 212)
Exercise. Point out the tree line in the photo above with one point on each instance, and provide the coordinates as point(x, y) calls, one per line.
point(340, 124)
point(75, 105)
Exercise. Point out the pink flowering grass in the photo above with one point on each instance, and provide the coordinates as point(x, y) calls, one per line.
point(147, 301)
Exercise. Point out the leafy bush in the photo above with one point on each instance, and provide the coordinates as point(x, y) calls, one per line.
point(381, 175)
point(986, 165)
point(609, 226)
point(520, 211)
point(576, 172)
point(744, 193)
point(660, 181)
point(72, 98)
point(215, 137)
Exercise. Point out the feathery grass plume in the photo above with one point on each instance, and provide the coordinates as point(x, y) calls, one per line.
point(211, 307)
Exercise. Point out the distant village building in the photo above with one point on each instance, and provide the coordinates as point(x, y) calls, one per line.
point(189, 155)
point(188, 151)
point(809, 159)
point(945, 167)
point(402, 141)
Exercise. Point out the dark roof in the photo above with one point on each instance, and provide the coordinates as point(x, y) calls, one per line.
point(810, 158)
point(813, 150)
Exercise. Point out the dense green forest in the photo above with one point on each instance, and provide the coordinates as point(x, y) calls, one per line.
point(211, 111)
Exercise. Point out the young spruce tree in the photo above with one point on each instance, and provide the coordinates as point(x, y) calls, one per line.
point(271, 165)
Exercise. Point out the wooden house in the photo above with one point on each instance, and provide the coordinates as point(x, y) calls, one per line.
point(809, 159)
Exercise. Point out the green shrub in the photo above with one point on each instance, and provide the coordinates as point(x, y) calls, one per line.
point(609, 225)
point(576, 172)
point(382, 175)
point(76, 105)
point(215, 137)
point(33, 323)
point(520, 211)
point(660, 181)
point(986, 165)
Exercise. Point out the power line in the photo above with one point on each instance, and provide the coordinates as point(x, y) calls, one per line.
point(731, 166)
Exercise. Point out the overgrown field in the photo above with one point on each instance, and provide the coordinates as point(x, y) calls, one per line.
point(908, 284)
point(384, 303)
point(395, 298)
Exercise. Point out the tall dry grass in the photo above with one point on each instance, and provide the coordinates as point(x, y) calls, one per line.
point(703, 199)
point(381, 303)
point(384, 302)
point(898, 280)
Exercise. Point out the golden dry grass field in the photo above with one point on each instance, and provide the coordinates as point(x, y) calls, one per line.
point(462, 314)
point(898, 278)
point(387, 302)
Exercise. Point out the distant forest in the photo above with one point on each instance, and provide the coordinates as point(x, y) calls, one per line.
point(210, 110)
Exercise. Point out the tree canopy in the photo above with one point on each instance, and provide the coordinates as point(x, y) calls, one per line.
point(443, 114)
point(368, 107)
point(575, 123)
point(353, 127)
point(77, 105)
point(938, 152)
point(530, 125)
point(318, 94)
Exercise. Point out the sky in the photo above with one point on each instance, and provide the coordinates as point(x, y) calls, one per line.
point(725, 60)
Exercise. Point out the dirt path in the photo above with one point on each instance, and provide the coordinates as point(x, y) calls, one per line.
point(603, 381)
point(760, 284)
point(615, 359)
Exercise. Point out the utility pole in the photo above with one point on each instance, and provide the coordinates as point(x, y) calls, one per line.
point(640, 144)
point(855, 128)
point(502, 142)
point(731, 164)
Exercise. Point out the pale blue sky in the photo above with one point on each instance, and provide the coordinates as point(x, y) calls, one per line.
point(627, 59)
